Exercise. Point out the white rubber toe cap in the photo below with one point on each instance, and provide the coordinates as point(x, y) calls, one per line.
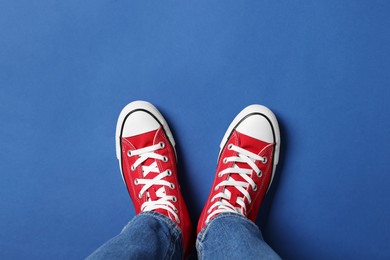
point(258, 127)
point(139, 122)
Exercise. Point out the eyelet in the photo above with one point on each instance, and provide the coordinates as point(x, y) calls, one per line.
point(162, 145)
point(132, 168)
point(216, 188)
point(209, 211)
point(176, 210)
point(169, 172)
point(174, 199)
point(259, 174)
point(136, 181)
point(129, 153)
point(139, 196)
point(220, 174)
point(265, 160)
point(230, 146)
point(225, 161)
point(255, 188)
point(171, 185)
point(165, 159)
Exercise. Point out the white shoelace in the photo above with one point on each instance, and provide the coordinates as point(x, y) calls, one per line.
point(164, 201)
point(223, 204)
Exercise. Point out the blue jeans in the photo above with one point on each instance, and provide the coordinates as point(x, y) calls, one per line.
point(151, 235)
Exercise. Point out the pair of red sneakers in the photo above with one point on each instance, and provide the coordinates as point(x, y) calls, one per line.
point(249, 153)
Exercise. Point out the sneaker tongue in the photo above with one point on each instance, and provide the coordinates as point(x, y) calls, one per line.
point(253, 145)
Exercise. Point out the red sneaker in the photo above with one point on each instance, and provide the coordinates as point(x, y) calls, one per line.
point(249, 153)
point(146, 152)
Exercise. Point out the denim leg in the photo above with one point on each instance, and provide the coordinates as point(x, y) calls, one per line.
point(148, 235)
point(232, 236)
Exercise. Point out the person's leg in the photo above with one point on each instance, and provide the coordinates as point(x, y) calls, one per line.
point(234, 236)
point(149, 235)
point(146, 152)
point(249, 153)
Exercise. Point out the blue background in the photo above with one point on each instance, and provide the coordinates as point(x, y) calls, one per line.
point(68, 67)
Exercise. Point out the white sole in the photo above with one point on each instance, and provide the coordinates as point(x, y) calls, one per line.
point(259, 109)
point(129, 108)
